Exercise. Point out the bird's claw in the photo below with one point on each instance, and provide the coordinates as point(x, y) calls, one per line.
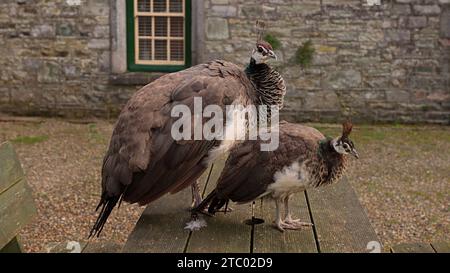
point(291, 225)
point(227, 210)
point(298, 222)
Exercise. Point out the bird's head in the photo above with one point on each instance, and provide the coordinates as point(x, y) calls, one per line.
point(263, 52)
point(343, 145)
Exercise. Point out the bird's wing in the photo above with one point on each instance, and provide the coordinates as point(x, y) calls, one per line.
point(249, 171)
point(143, 161)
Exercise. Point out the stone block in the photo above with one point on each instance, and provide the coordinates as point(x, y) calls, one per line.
point(50, 72)
point(99, 44)
point(397, 35)
point(65, 29)
point(417, 22)
point(217, 29)
point(224, 11)
point(343, 79)
point(427, 9)
point(322, 100)
point(445, 24)
point(398, 96)
point(43, 31)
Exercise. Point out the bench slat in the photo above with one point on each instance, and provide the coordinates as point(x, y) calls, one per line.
point(16, 210)
point(413, 248)
point(340, 220)
point(12, 247)
point(10, 170)
point(225, 233)
point(267, 239)
point(161, 226)
point(441, 247)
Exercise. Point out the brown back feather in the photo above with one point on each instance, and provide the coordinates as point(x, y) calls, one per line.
point(143, 159)
point(248, 171)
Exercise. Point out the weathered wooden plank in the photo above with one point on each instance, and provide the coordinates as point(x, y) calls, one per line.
point(225, 233)
point(12, 247)
point(102, 247)
point(413, 248)
point(10, 170)
point(267, 239)
point(340, 221)
point(16, 210)
point(441, 247)
point(160, 228)
point(66, 247)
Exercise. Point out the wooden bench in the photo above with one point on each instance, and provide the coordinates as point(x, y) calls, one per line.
point(16, 202)
point(340, 225)
point(441, 247)
point(83, 247)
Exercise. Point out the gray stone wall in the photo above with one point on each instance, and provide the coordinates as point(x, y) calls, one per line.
point(387, 64)
point(55, 59)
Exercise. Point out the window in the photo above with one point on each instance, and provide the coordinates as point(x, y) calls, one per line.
point(158, 35)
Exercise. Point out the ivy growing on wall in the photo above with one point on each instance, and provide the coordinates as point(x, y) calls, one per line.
point(305, 54)
point(273, 41)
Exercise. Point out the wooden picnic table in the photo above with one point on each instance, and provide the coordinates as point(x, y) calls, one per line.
point(340, 224)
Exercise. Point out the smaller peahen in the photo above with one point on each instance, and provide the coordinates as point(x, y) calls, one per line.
point(305, 159)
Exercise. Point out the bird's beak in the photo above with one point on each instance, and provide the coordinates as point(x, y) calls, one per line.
point(273, 55)
point(355, 154)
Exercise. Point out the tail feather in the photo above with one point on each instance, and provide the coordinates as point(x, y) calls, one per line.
point(216, 205)
point(213, 202)
point(107, 204)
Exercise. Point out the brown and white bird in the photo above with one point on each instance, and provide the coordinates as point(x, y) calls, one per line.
point(144, 162)
point(305, 159)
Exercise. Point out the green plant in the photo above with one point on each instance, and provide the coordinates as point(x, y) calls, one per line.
point(305, 54)
point(94, 133)
point(273, 41)
point(29, 139)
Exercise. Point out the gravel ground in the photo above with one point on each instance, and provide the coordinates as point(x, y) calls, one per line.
point(402, 179)
point(62, 162)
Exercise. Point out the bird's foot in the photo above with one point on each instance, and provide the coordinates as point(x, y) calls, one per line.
point(203, 211)
point(226, 210)
point(196, 223)
point(291, 224)
point(280, 225)
point(297, 223)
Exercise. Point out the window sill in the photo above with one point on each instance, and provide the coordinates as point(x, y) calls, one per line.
point(134, 78)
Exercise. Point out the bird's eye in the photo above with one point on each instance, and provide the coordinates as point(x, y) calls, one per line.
point(346, 146)
point(260, 50)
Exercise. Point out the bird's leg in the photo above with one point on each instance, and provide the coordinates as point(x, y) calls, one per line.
point(196, 196)
point(227, 209)
point(292, 223)
point(196, 222)
point(278, 222)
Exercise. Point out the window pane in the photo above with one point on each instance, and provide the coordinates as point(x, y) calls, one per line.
point(176, 5)
point(176, 26)
point(145, 49)
point(177, 50)
point(161, 50)
point(145, 25)
point(161, 26)
point(159, 6)
point(144, 5)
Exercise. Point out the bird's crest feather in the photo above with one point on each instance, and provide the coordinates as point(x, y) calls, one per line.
point(346, 129)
